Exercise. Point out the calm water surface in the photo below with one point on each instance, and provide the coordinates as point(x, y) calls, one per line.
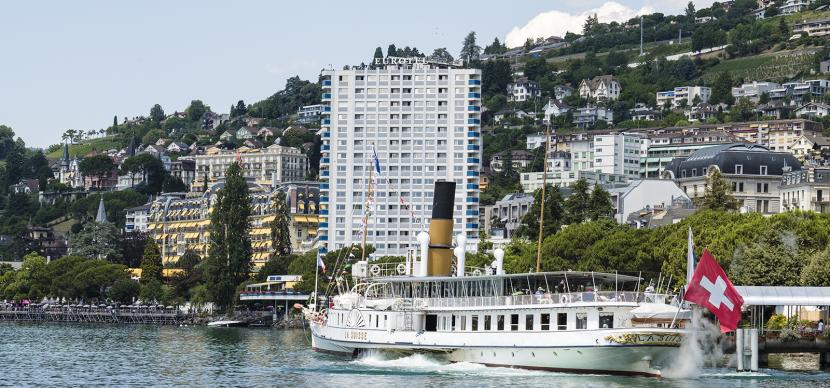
point(133, 355)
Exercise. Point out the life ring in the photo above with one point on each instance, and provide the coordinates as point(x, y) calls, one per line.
point(401, 268)
point(477, 272)
point(564, 299)
point(375, 270)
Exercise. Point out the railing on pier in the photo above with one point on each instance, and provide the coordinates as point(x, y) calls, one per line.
point(547, 298)
point(163, 315)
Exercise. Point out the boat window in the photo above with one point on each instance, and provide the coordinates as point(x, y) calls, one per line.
point(463, 322)
point(514, 322)
point(474, 323)
point(529, 322)
point(444, 323)
point(500, 323)
point(581, 321)
point(606, 320)
point(431, 322)
point(487, 325)
point(562, 321)
point(453, 323)
point(545, 321)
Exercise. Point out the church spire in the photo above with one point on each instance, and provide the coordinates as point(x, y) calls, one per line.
point(65, 157)
point(102, 212)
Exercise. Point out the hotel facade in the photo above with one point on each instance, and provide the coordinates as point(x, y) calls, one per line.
point(423, 119)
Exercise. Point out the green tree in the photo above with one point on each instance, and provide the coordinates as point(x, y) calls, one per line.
point(277, 265)
point(553, 218)
point(816, 271)
point(229, 256)
point(722, 89)
point(151, 265)
point(151, 291)
point(189, 260)
point(600, 204)
point(99, 166)
point(771, 260)
point(157, 113)
point(441, 54)
point(578, 205)
point(196, 110)
point(280, 231)
point(392, 51)
point(147, 170)
point(378, 55)
point(495, 48)
point(690, 12)
point(124, 291)
point(718, 194)
point(469, 50)
point(743, 110)
point(95, 241)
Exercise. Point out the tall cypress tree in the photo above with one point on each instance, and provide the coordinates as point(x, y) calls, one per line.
point(151, 266)
point(229, 256)
point(280, 234)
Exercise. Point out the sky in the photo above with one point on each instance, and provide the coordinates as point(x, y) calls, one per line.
point(77, 64)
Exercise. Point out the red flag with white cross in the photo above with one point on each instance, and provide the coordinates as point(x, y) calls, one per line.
point(711, 288)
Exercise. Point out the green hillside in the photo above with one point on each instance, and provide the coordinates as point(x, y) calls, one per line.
point(87, 146)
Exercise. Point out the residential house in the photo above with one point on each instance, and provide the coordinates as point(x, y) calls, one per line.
point(554, 108)
point(136, 218)
point(45, 243)
point(521, 160)
point(754, 90)
point(662, 215)
point(502, 114)
point(246, 133)
point(776, 110)
point(644, 193)
point(810, 146)
point(252, 144)
point(683, 96)
point(227, 136)
point(25, 186)
point(252, 121)
point(588, 116)
point(309, 114)
point(793, 6)
point(562, 91)
point(177, 147)
point(184, 168)
point(817, 27)
point(522, 89)
point(502, 219)
point(701, 112)
point(295, 130)
point(604, 87)
point(812, 110)
point(641, 112)
point(267, 132)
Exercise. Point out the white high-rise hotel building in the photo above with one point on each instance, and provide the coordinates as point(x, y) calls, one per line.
point(424, 121)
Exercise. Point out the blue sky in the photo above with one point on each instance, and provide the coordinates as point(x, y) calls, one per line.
point(76, 64)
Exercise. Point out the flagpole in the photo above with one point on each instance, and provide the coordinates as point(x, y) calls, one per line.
point(542, 200)
point(316, 275)
point(366, 210)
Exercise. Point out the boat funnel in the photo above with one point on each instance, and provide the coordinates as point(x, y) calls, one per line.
point(440, 230)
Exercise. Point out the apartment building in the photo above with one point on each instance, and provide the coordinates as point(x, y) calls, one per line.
point(683, 96)
point(265, 166)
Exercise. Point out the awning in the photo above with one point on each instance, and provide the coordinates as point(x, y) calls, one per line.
point(784, 296)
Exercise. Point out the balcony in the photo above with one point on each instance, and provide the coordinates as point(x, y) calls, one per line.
point(473, 95)
point(473, 108)
point(471, 226)
point(324, 199)
point(473, 121)
point(325, 122)
point(324, 225)
point(473, 134)
point(472, 173)
point(327, 108)
point(324, 186)
point(324, 173)
point(324, 212)
point(325, 147)
point(472, 212)
point(326, 96)
point(326, 134)
point(473, 160)
point(474, 82)
point(326, 82)
point(472, 186)
point(472, 147)
point(468, 200)
point(324, 238)
point(325, 161)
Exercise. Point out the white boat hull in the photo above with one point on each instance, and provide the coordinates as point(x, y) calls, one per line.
point(575, 352)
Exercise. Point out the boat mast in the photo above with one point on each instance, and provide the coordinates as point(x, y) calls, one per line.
point(366, 212)
point(542, 201)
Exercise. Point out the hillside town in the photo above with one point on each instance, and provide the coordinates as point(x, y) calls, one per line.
point(644, 136)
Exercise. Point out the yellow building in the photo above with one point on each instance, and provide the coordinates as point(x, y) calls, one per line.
point(179, 222)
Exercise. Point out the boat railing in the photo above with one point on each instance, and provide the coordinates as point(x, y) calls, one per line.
point(548, 298)
point(404, 269)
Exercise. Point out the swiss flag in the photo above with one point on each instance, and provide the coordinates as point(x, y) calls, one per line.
point(711, 288)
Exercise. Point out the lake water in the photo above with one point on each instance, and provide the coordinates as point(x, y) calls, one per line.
point(134, 355)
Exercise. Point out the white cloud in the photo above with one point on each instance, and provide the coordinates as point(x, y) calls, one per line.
point(558, 23)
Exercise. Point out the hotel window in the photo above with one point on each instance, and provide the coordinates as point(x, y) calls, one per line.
point(763, 170)
point(562, 321)
point(694, 172)
point(606, 320)
point(581, 321)
point(500, 322)
point(514, 322)
point(545, 321)
point(739, 169)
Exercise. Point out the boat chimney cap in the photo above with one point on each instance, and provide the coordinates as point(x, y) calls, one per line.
point(423, 237)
